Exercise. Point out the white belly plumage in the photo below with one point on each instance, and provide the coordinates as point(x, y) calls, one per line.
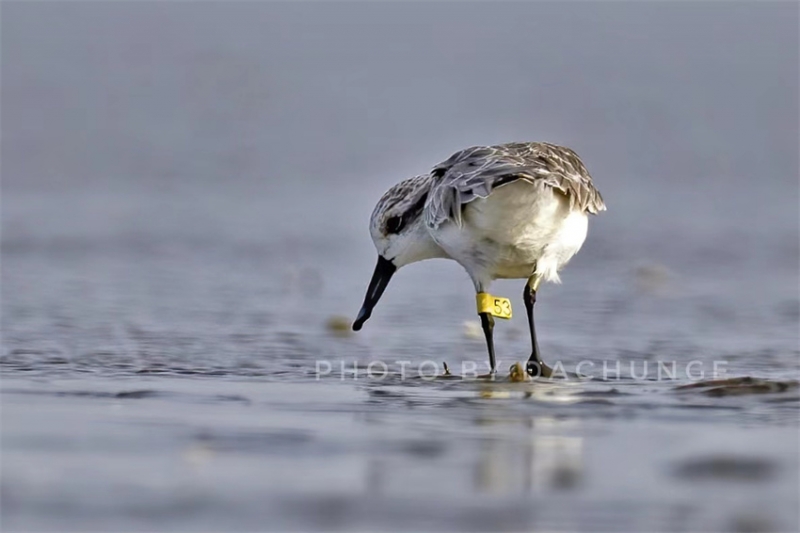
point(521, 229)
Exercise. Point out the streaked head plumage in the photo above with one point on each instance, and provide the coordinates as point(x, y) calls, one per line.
point(400, 237)
point(397, 218)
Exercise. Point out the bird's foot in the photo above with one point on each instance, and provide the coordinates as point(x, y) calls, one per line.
point(538, 369)
point(488, 377)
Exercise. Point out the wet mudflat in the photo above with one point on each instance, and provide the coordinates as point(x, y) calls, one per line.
point(199, 453)
point(223, 394)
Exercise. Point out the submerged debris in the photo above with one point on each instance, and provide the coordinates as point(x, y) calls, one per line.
point(726, 468)
point(651, 278)
point(739, 386)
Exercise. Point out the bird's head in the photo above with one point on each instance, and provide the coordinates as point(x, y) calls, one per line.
point(400, 236)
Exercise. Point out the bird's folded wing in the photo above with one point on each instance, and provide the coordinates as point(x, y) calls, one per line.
point(477, 171)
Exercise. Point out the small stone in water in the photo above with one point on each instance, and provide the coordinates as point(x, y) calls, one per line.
point(339, 325)
point(517, 373)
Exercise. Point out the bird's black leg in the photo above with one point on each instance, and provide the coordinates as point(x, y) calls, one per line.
point(535, 366)
point(487, 323)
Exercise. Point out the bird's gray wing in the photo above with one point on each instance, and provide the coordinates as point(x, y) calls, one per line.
point(475, 172)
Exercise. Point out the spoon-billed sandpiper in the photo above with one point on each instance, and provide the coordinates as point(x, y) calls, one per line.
point(515, 210)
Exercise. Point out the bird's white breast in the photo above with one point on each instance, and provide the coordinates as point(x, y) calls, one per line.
point(519, 228)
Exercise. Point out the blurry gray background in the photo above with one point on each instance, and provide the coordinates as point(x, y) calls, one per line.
point(186, 189)
point(680, 110)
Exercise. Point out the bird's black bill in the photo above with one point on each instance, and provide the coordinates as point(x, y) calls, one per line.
point(380, 279)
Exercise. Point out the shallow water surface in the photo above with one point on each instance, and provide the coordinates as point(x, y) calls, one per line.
point(187, 453)
point(170, 383)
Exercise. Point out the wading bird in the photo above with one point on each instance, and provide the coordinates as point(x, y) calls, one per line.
point(516, 210)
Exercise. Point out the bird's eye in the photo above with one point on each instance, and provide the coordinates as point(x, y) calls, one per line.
point(394, 224)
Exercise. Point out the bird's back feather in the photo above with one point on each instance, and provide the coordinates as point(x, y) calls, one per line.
point(475, 172)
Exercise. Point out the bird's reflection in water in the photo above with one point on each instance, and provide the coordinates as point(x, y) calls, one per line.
point(532, 459)
point(496, 450)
